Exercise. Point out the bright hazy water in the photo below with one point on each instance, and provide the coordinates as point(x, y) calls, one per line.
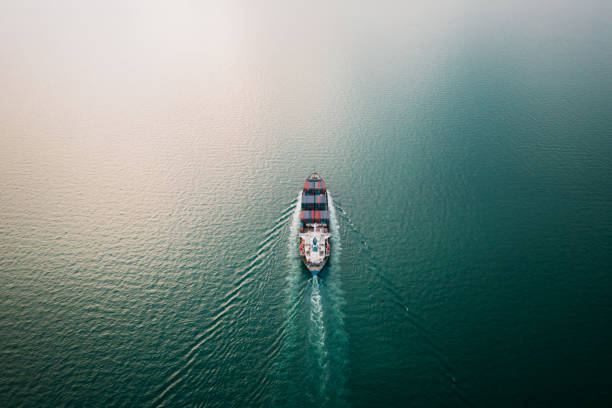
point(150, 159)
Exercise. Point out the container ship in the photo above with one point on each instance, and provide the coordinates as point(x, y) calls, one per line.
point(315, 245)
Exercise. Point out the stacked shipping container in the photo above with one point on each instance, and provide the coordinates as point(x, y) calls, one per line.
point(314, 202)
point(314, 216)
point(314, 187)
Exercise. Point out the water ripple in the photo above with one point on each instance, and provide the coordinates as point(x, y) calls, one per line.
point(412, 317)
point(228, 302)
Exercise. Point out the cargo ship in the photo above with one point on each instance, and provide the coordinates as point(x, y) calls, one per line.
point(314, 237)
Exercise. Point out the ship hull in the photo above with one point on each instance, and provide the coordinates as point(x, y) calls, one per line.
point(314, 269)
point(314, 238)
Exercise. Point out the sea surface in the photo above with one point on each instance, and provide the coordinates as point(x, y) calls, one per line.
point(151, 156)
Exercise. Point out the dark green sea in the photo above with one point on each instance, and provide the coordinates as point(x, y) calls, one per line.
point(151, 155)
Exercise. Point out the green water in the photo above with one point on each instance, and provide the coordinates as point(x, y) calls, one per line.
point(150, 161)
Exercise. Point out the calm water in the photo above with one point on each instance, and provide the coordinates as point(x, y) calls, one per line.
point(150, 162)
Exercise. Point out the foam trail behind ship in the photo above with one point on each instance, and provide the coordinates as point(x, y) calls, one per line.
point(319, 362)
point(316, 338)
